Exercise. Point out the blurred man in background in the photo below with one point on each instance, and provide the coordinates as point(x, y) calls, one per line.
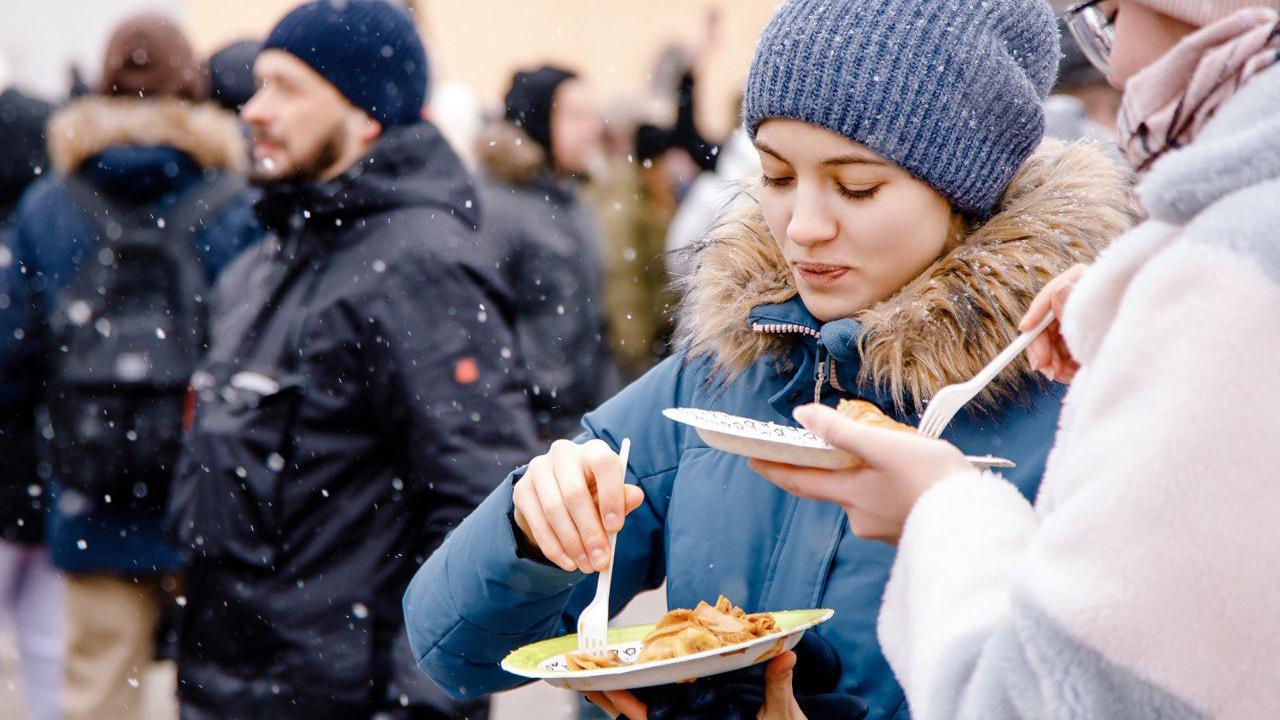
point(359, 397)
point(113, 255)
point(546, 240)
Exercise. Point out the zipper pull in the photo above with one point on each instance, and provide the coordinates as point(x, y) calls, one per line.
point(822, 376)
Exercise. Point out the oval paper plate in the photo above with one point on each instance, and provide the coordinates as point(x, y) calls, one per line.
point(778, 443)
point(545, 660)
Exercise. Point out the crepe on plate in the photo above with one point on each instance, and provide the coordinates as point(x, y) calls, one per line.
point(685, 632)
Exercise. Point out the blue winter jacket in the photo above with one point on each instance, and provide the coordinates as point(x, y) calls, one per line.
point(52, 236)
point(711, 526)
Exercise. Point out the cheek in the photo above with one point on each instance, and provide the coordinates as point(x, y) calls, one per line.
point(895, 241)
point(776, 209)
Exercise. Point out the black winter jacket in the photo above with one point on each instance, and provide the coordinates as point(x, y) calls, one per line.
point(359, 399)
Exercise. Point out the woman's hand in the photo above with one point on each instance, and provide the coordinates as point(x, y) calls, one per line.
point(878, 495)
point(571, 499)
point(1048, 353)
point(779, 699)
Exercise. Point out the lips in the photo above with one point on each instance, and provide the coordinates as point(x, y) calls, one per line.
point(820, 273)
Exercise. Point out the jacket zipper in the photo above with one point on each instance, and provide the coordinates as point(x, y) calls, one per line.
point(782, 328)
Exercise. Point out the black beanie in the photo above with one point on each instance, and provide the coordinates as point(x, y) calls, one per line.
point(368, 49)
point(530, 99)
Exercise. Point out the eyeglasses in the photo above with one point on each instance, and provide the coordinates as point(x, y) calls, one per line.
point(1092, 24)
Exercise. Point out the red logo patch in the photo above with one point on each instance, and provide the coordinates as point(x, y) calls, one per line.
point(465, 371)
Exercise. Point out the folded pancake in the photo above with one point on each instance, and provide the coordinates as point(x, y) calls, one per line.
point(684, 632)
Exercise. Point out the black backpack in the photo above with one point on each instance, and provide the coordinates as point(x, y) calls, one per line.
point(126, 335)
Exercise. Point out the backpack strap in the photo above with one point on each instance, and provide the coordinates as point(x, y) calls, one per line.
point(203, 201)
point(108, 216)
point(111, 217)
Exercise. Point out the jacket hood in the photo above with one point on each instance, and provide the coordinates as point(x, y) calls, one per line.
point(409, 165)
point(87, 127)
point(507, 153)
point(1064, 205)
point(1234, 150)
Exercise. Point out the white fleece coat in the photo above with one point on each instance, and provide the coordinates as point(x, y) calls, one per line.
point(1145, 581)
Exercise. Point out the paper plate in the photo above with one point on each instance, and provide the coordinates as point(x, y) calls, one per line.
point(779, 443)
point(545, 660)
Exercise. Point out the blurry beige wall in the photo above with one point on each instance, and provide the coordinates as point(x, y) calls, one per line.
point(480, 42)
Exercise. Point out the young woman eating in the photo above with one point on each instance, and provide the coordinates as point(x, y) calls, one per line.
point(907, 215)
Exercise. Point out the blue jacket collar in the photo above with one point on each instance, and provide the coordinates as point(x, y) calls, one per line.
point(839, 337)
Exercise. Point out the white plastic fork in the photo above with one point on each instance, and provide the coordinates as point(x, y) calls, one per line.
point(593, 623)
point(944, 406)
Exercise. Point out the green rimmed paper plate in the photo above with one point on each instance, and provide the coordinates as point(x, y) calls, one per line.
point(545, 660)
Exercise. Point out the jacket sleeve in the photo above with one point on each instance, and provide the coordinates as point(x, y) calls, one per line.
point(22, 342)
point(475, 599)
point(444, 387)
point(1159, 502)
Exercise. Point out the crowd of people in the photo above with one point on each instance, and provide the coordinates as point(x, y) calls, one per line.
point(327, 410)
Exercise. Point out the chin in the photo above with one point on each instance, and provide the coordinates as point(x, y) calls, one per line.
point(827, 309)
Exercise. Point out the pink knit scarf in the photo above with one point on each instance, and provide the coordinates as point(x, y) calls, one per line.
point(1166, 104)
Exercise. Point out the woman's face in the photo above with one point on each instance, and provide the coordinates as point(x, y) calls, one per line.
point(853, 227)
point(1142, 36)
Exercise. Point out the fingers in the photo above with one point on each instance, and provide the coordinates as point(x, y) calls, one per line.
point(575, 488)
point(533, 521)
point(552, 502)
point(779, 697)
point(874, 445)
point(634, 496)
point(813, 483)
point(1040, 351)
point(605, 468)
point(627, 704)
point(599, 700)
point(1040, 305)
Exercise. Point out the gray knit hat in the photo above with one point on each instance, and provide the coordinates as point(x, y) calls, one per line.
point(950, 90)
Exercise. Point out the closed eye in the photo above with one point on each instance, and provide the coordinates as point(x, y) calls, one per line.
point(767, 181)
point(856, 194)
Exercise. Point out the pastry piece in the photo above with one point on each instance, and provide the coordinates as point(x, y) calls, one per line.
point(866, 412)
point(579, 660)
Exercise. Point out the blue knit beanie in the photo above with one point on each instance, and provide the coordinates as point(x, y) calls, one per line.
point(368, 49)
point(950, 90)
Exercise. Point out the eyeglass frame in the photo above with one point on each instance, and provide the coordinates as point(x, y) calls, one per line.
point(1094, 37)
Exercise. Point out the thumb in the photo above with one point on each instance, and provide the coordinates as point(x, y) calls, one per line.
point(779, 697)
point(633, 496)
point(874, 445)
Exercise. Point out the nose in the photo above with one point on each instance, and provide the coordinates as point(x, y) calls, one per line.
point(811, 219)
point(255, 111)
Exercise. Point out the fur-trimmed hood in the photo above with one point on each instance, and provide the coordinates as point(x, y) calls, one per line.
point(507, 153)
point(86, 127)
point(1065, 204)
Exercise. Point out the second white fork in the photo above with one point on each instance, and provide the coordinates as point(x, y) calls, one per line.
point(948, 401)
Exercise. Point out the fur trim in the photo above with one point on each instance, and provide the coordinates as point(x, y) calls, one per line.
point(1065, 204)
point(508, 154)
point(86, 127)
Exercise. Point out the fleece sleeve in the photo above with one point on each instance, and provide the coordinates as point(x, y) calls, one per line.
point(1143, 583)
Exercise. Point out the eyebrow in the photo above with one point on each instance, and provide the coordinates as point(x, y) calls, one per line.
point(829, 162)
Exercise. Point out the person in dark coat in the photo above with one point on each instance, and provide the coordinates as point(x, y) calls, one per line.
point(30, 589)
point(360, 396)
point(548, 243)
point(144, 144)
